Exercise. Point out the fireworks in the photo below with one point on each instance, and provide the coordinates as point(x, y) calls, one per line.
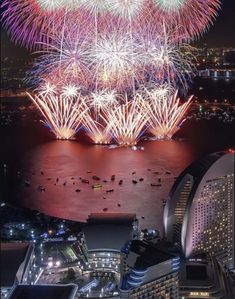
point(110, 67)
point(115, 61)
point(103, 99)
point(62, 110)
point(127, 121)
point(191, 17)
point(165, 114)
point(126, 9)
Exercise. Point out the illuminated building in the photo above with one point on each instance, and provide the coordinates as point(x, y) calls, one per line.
point(152, 272)
point(107, 238)
point(201, 278)
point(199, 213)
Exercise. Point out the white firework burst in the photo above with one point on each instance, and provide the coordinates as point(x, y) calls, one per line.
point(126, 9)
point(103, 99)
point(114, 60)
point(95, 6)
point(170, 5)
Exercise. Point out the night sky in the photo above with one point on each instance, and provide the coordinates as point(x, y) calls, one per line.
point(219, 35)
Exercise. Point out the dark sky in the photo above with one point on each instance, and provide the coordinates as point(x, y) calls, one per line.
point(221, 34)
point(223, 31)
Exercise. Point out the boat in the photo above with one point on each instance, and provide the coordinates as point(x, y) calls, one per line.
point(41, 188)
point(141, 179)
point(95, 177)
point(27, 183)
point(155, 185)
point(134, 182)
point(96, 186)
point(110, 190)
point(113, 177)
point(85, 181)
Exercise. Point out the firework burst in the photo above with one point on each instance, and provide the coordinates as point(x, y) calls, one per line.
point(62, 110)
point(127, 121)
point(165, 113)
point(166, 61)
point(115, 61)
point(191, 17)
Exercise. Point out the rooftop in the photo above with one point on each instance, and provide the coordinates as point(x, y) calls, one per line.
point(12, 255)
point(44, 291)
point(149, 254)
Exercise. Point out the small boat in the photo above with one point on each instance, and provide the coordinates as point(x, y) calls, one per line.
point(134, 172)
point(141, 179)
point(64, 183)
point(27, 183)
point(113, 177)
point(95, 177)
point(155, 185)
point(142, 217)
point(119, 205)
point(168, 172)
point(105, 209)
point(77, 190)
point(109, 191)
point(134, 182)
point(57, 180)
point(159, 179)
point(96, 186)
point(105, 181)
point(85, 181)
point(120, 182)
point(156, 172)
point(41, 188)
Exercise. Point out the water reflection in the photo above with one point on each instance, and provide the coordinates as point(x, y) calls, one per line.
point(59, 165)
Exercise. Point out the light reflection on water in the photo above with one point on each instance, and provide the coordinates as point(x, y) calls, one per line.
point(68, 161)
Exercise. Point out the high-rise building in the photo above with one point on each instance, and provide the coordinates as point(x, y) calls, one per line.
point(152, 272)
point(199, 214)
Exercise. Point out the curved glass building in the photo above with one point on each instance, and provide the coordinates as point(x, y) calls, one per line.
point(199, 213)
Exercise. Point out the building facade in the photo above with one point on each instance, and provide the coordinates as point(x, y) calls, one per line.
point(152, 272)
point(199, 213)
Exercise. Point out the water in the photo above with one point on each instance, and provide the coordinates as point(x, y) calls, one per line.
point(29, 148)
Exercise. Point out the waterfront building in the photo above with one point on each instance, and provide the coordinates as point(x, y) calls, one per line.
point(105, 240)
point(152, 272)
point(201, 277)
point(199, 213)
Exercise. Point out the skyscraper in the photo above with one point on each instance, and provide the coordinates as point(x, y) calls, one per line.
point(199, 213)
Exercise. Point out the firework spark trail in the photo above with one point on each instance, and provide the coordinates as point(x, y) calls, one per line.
point(97, 132)
point(28, 23)
point(191, 17)
point(66, 55)
point(63, 110)
point(165, 60)
point(127, 121)
point(103, 99)
point(115, 61)
point(165, 114)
